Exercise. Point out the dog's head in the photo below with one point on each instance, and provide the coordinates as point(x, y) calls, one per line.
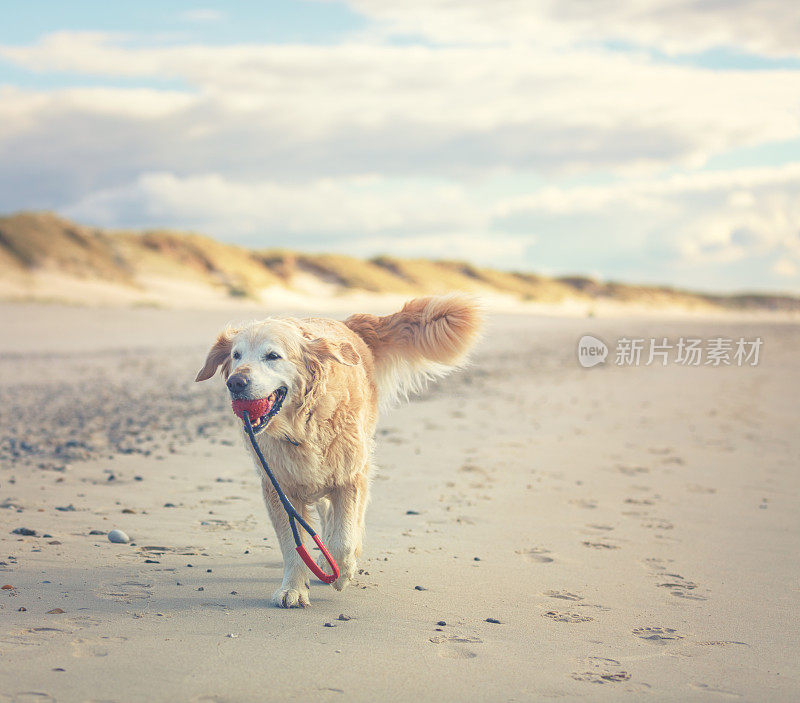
point(276, 362)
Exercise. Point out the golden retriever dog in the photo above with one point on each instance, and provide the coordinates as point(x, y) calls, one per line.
point(324, 381)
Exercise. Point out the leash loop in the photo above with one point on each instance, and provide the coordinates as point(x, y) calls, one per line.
point(294, 516)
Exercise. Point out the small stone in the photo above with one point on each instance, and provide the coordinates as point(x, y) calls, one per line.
point(66, 508)
point(22, 609)
point(138, 478)
point(24, 531)
point(247, 551)
point(55, 541)
point(151, 561)
point(58, 668)
point(234, 593)
point(330, 624)
point(208, 571)
point(169, 505)
point(46, 536)
point(201, 589)
point(412, 512)
point(128, 511)
point(96, 532)
point(441, 623)
point(495, 621)
point(420, 588)
point(189, 565)
point(111, 477)
point(344, 618)
point(54, 611)
point(118, 537)
point(476, 558)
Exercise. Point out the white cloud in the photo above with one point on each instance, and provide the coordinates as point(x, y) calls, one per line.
point(693, 220)
point(784, 267)
point(769, 27)
point(467, 111)
point(350, 207)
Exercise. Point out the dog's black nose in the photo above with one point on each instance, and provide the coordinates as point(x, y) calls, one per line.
point(237, 382)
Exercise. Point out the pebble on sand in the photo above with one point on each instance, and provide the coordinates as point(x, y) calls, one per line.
point(344, 618)
point(118, 537)
point(420, 588)
point(54, 611)
point(24, 531)
point(494, 621)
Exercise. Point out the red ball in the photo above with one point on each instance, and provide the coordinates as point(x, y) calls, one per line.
point(255, 408)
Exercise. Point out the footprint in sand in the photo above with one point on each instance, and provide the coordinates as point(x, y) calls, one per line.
point(640, 501)
point(719, 690)
point(658, 523)
point(562, 595)
point(681, 588)
point(566, 616)
point(536, 554)
point(601, 671)
point(126, 592)
point(697, 488)
point(452, 646)
point(600, 545)
point(95, 647)
point(632, 470)
point(658, 635)
point(678, 586)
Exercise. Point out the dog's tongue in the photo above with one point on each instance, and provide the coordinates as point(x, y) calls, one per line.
point(255, 408)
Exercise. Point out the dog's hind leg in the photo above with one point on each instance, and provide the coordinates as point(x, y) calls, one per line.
point(325, 512)
point(363, 501)
point(293, 592)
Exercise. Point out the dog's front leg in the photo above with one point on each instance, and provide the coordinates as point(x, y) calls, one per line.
point(293, 592)
point(346, 532)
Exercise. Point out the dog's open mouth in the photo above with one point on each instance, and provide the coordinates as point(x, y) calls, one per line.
point(261, 410)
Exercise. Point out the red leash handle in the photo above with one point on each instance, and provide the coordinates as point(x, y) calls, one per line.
point(311, 564)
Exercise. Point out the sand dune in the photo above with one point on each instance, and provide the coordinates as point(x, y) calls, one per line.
point(46, 258)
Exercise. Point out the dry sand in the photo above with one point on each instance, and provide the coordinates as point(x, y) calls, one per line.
point(635, 531)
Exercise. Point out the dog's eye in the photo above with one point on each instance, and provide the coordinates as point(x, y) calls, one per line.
point(237, 355)
point(272, 356)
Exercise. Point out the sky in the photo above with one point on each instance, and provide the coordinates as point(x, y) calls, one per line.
point(650, 141)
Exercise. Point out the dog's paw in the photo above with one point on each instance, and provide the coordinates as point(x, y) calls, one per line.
point(347, 569)
point(291, 597)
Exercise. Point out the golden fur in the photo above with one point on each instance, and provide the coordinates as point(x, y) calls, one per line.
point(319, 444)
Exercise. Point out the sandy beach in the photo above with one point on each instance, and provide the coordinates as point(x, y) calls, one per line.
point(538, 530)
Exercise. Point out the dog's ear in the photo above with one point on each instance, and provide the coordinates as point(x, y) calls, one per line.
point(343, 352)
point(218, 355)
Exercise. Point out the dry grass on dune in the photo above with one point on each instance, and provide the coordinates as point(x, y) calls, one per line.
point(142, 265)
point(46, 241)
point(199, 258)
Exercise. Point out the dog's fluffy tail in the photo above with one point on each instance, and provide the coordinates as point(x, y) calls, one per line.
point(427, 339)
